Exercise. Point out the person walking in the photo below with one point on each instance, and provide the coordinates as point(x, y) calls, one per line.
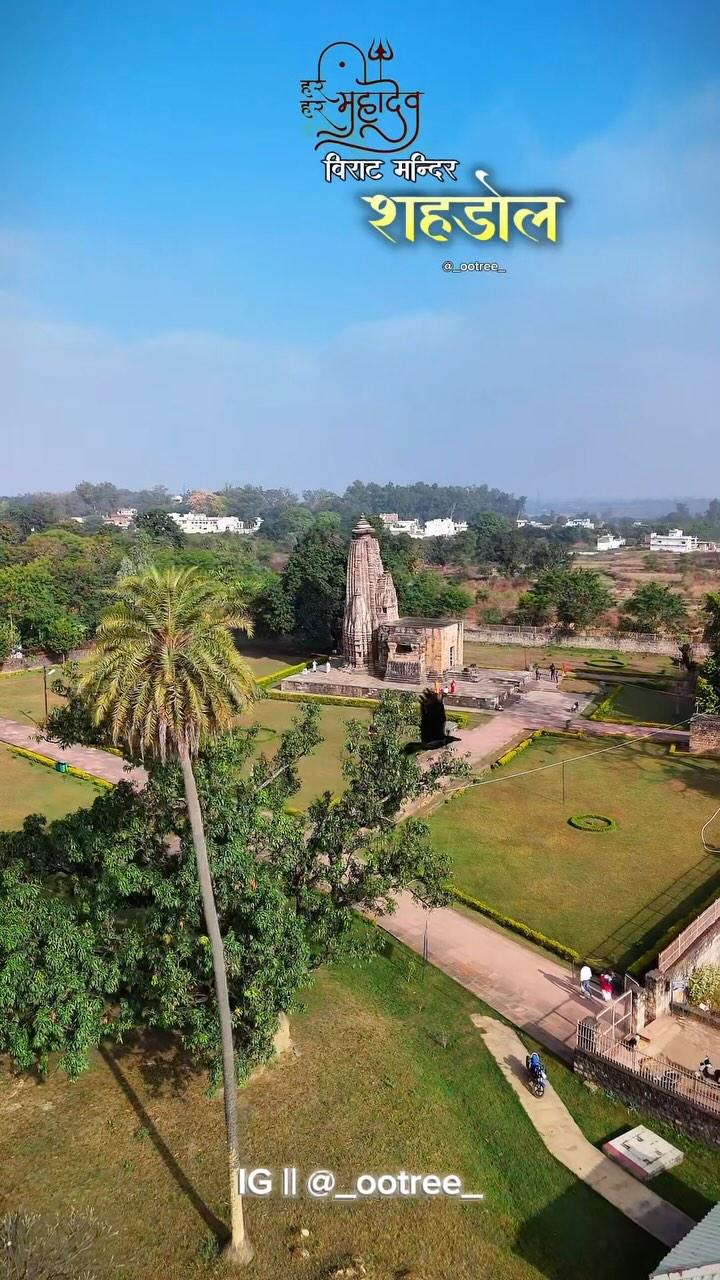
point(553, 671)
point(537, 670)
point(585, 976)
point(606, 986)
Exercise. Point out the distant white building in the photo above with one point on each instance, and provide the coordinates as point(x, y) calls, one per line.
point(199, 522)
point(609, 542)
point(444, 528)
point(675, 540)
point(523, 521)
point(579, 522)
point(122, 518)
point(389, 517)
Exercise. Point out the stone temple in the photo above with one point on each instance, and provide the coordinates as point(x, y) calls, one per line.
point(375, 639)
point(379, 648)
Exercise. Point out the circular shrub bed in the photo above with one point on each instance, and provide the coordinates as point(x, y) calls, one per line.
point(592, 822)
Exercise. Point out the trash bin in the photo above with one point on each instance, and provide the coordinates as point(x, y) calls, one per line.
point(62, 766)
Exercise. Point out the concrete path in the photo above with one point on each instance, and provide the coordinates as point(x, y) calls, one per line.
point(533, 991)
point(566, 1143)
point(101, 764)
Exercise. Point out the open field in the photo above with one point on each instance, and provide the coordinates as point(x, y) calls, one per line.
point(22, 698)
point(644, 704)
point(608, 895)
point(388, 1074)
point(600, 663)
point(691, 576)
point(265, 658)
point(321, 770)
point(27, 787)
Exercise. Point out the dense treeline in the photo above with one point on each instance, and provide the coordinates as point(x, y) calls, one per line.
point(420, 500)
point(55, 573)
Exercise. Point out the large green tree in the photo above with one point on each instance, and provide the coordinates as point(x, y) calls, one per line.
point(574, 598)
point(167, 676)
point(314, 583)
point(654, 607)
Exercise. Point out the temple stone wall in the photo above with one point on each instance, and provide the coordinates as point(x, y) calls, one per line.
point(705, 734)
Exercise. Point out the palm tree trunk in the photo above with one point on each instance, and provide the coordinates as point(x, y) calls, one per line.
point(239, 1249)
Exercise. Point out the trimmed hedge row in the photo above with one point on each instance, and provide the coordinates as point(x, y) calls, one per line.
point(275, 676)
point(326, 699)
point(48, 760)
point(515, 751)
point(517, 926)
point(461, 718)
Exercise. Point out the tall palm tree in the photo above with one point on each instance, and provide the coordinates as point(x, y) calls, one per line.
point(166, 677)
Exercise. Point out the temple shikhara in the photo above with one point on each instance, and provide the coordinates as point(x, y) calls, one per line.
point(378, 648)
point(374, 638)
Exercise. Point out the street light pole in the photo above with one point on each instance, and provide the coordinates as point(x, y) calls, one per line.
point(45, 690)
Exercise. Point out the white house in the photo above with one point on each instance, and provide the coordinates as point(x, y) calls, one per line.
point(579, 522)
point(444, 528)
point(675, 540)
point(609, 542)
point(412, 528)
point(199, 522)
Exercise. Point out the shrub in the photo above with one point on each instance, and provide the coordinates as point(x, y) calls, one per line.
point(591, 822)
point(704, 986)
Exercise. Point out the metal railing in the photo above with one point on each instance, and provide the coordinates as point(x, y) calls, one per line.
point(688, 936)
point(656, 1070)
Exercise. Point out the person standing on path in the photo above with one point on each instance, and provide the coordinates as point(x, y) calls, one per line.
point(606, 986)
point(553, 671)
point(585, 976)
point(537, 671)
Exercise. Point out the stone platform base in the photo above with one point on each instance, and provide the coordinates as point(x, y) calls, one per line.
point(492, 692)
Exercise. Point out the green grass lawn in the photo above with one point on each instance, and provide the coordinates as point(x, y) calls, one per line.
point(642, 704)
point(591, 661)
point(388, 1073)
point(27, 787)
point(263, 661)
point(22, 698)
point(320, 771)
point(607, 895)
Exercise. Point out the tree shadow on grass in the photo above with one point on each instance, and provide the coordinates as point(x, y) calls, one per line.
point(160, 1060)
point(178, 1175)
point(579, 1236)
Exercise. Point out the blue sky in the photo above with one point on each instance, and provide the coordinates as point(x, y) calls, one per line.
point(184, 299)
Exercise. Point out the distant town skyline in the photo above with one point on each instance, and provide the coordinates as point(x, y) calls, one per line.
point(182, 294)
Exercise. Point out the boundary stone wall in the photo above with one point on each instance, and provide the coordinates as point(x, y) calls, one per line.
point(619, 642)
point(640, 1092)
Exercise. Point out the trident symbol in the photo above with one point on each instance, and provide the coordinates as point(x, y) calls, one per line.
point(379, 52)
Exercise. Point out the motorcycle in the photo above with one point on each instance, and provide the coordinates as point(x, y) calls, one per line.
point(537, 1075)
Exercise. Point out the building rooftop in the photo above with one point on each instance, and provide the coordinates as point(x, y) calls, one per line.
point(697, 1254)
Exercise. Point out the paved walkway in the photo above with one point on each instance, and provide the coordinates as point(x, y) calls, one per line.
point(101, 764)
point(534, 992)
point(566, 1143)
